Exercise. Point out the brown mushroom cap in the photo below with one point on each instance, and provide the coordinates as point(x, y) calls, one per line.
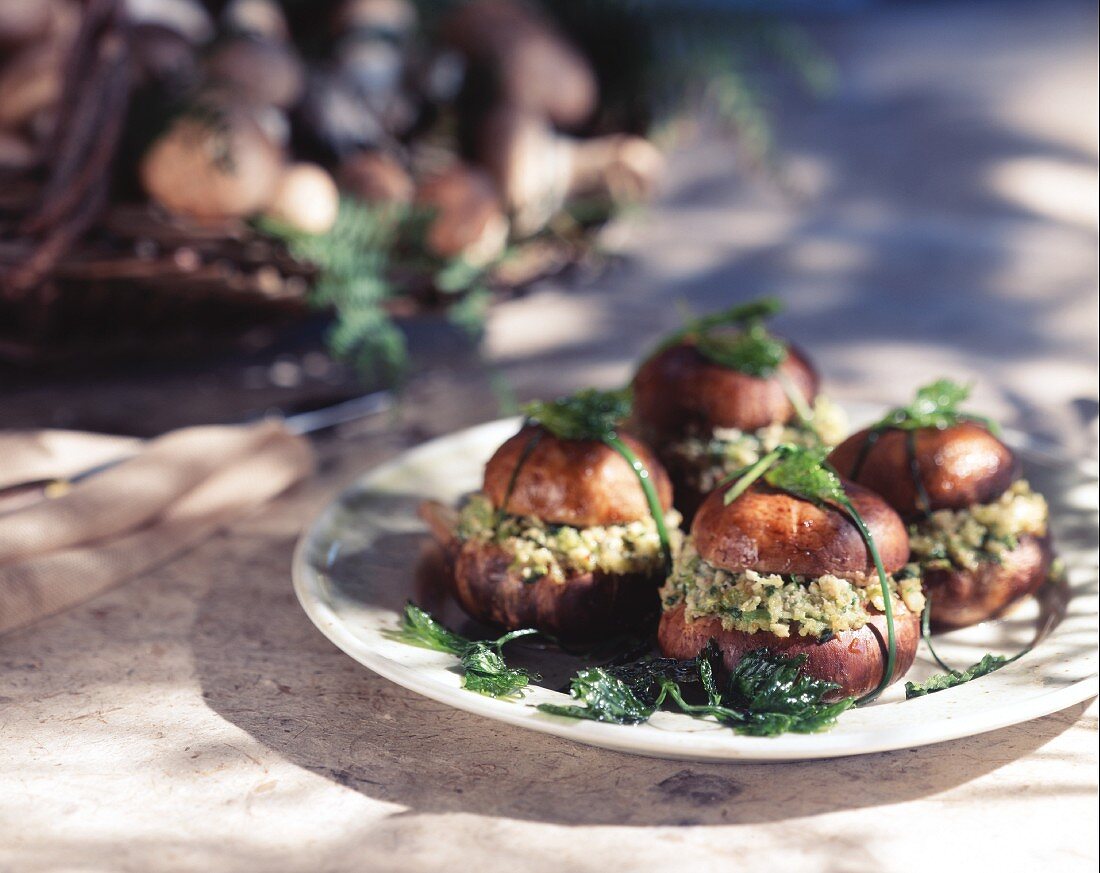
point(468, 221)
point(375, 177)
point(678, 389)
point(854, 660)
point(772, 532)
point(211, 171)
point(583, 483)
point(958, 466)
point(964, 597)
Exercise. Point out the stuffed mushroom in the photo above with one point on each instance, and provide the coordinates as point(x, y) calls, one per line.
point(571, 533)
point(979, 534)
point(722, 392)
point(773, 570)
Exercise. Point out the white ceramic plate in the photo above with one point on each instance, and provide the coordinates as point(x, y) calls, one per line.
point(367, 553)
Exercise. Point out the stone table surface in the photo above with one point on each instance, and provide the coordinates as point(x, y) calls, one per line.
point(944, 222)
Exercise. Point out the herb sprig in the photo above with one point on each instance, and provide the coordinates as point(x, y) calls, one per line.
point(483, 667)
point(935, 405)
point(942, 681)
point(952, 678)
point(742, 315)
point(766, 694)
point(596, 415)
point(804, 473)
point(751, 350)
point(586, 415)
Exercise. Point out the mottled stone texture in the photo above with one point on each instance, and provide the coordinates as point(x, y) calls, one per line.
point(195, 720)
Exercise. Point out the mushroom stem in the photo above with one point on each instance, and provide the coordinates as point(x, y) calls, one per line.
point(622, 166)
point(537, 170)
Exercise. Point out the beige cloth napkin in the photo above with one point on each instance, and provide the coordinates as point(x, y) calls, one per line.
point(173, 493)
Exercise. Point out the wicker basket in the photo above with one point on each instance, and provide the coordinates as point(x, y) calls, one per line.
point(80, 278)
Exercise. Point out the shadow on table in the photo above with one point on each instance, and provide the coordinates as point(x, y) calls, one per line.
point(265, 668)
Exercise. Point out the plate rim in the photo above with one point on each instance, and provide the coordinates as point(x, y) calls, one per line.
point(627, 738)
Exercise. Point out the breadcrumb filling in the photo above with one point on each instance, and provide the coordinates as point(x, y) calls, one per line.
point(725, 450)
point(966, 538)
point(782, 605)
point(540, 549)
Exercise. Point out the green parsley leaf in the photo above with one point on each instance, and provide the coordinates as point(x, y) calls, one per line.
point(951, 677)
point(644, 676)
point(751, 349)
point(794, 469)
point(483, 667)
point(943, 681)
point(741, 315)
point(586, 415)
point(418, 628)
point(605, 698)
point(766, 695)
point(935, 405)
point(487, 673)
point(802, 472)
point(776, 696)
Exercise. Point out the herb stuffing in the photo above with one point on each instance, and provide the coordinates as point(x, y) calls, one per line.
point(707, 455)
point(538, 548)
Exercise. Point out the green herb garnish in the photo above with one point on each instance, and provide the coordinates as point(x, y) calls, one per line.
point(776, 696)
point(751, 350)
point(483, 667)
point(597, 415)
point(942, 681)
point(605, 698)
point(586, 415)
point(935, 405)
point(743, 315)
point(804, 473)
point(766, 694)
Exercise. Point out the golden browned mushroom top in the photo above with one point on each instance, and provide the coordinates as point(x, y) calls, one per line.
point(770, 531)
point(582, 483)
point(679, 389)
point(957, 466)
